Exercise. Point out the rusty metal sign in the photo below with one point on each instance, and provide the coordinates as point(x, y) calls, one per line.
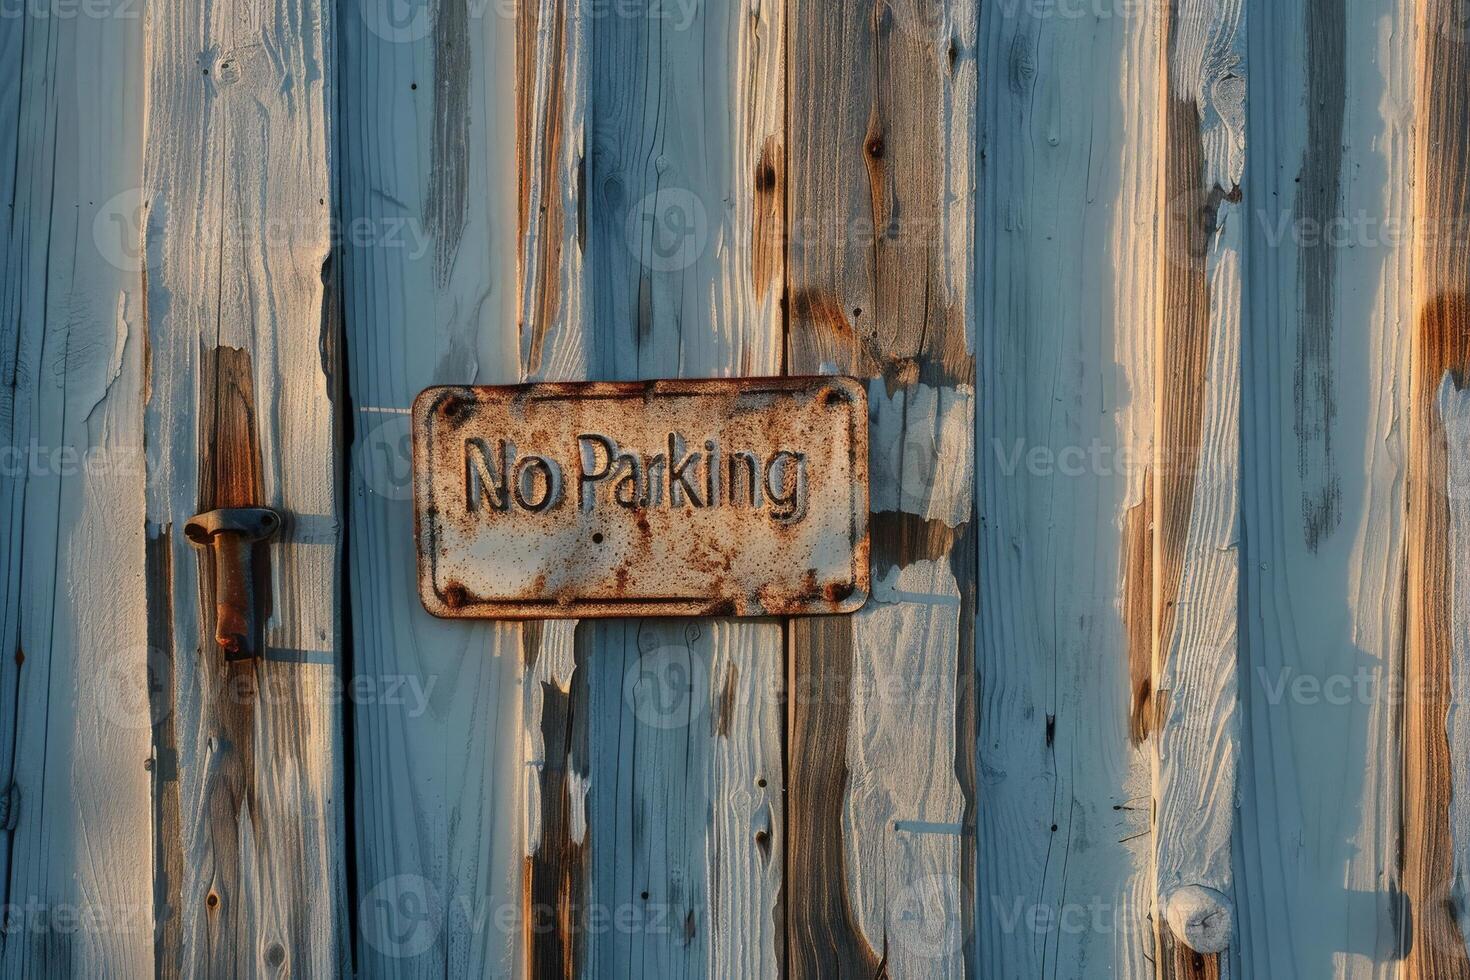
point(664, 498)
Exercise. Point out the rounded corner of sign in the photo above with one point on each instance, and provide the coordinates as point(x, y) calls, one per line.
point(856, 601)
point(434, 603)
point(856, 388)
point(430, 398)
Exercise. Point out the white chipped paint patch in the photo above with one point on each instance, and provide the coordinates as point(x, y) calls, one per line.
point(921, 459)
point(904, 811)
point(1454, 410)
point(577, 787)
point(555, 663)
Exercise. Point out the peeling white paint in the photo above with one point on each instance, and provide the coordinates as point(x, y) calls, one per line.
point(577, 787)
point(922, 450)
point(903, 887)
point(555, 664)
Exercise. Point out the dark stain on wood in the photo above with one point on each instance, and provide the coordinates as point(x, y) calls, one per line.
point(447, 200)
point(1179, 961)
point(902, 539)
point(1138, 601)
point(229, 476)
point(725, 707)
point(768, 251)
point(824, 938)
point(820, 326)
point(168, 851)
point(556, 875)
point(1317, 205)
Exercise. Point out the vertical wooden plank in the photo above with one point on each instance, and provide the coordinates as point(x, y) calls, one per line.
point(686, 175)
point(656, 826)
point(881, 139)
point(552, 96)
point(1066, 292)
point(1196, 481)
point(429, 234)
point(1435, 832)
point(74, 713)
point(1329, 190)
point(242, 332)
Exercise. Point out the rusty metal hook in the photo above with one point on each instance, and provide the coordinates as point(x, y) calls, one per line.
point(232, 534)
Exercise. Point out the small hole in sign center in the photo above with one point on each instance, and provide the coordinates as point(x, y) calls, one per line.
point(597, 538)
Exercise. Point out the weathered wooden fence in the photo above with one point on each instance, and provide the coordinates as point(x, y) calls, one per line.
point(1163, 303)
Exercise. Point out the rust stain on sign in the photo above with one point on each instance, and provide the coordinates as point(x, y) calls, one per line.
point(665, 498)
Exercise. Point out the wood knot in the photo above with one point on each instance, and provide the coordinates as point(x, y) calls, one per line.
point(876, 148)
point(1200, 917)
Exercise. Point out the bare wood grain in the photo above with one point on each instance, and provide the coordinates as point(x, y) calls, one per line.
point(1196, 479)
point(241, 328)
point(881, 143)
point(1439, 369)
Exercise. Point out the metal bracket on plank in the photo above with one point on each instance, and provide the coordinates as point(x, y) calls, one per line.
point(232, 535)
